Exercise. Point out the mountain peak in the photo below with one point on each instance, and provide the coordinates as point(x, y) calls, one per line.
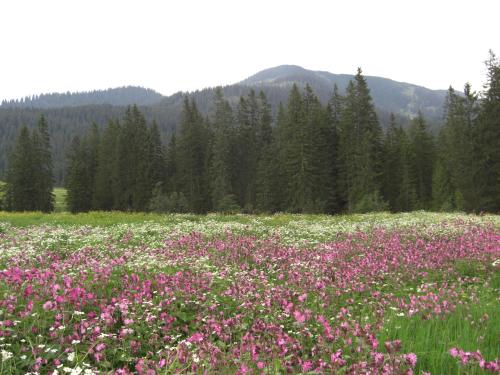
point(275, 74)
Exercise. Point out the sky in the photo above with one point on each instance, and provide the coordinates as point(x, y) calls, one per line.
point(184, 45)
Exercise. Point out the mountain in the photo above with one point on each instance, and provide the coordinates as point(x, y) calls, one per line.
point(71, 114)
point(120, 96)
point(400, 98)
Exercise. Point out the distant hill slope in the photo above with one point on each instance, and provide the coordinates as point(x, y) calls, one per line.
point(71, 114)
point(390, 96)
point(120, 96)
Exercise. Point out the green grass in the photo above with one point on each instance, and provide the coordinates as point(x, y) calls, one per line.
point(102, 218)
point(60, 199)
point(2, 185)
point(471, 327)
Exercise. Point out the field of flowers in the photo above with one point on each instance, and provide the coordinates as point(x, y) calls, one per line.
point(118, 294)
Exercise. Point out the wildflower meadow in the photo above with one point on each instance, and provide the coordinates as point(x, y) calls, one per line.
point(114, 293)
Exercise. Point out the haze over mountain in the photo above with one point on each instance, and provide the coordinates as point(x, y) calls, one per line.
point(401, 98)
point(117, 96)
point(70, 114)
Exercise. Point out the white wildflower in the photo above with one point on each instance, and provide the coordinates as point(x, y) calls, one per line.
point(6, 355)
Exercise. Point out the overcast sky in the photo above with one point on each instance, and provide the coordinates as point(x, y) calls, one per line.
point(181, 45)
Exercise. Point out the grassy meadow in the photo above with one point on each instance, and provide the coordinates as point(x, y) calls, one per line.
point(121, 293)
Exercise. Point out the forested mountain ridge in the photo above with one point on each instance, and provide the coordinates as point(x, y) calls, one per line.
point(309, 157)
point(400, 98)
point(72, 114)
point(120, 96)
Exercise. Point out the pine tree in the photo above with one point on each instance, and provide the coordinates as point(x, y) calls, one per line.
point(79, 177)
point(487, 140)
point(334, 110)
point(106, 187)
point(407, 195)
point(221, 157)
point(296, 144)
point(392, 170)
point(171, 165)
point(422, 161)
point(360, 149)
point(247, 149)
point(134, 162)
point(320, 134)
point(268, 176)
point(157, 155)
point(21, 189)
point(192, 152)
point(44, 178)
point(454, 172)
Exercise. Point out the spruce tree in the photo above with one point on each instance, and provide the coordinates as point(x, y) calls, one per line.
point(487, 140)
point(192, 153)
point(334, 108)
point(296, 147)
point(247, 149)
point(268, 178)
point(78, 180)
point(392, 165)
point(106, 188)
point(360, 149)
point(171, 176)
point(44, 178)
point(157, 155)
point(221, 182)
point(20, 189)
point(134, 162)
point(422, 161)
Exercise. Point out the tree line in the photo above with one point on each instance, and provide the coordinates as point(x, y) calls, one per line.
point(311, 158)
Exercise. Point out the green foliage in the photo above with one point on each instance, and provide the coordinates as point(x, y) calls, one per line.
point(421, 161)
point(2, 194)
point(372, 202)
point(228, 205)
point(191, 158)
point(29, 181)
point(487, 140)
point(313, 158)
point(360, 145)
point(162, 202)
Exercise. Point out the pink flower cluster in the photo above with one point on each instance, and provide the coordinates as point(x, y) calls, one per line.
point(236, 303)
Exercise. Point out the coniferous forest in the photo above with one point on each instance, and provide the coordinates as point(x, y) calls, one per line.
point(308, 157)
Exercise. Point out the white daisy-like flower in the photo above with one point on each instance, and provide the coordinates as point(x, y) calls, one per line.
point(6, 355)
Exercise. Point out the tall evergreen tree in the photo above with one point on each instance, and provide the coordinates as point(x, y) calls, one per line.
point(248, 114)
point(455, 164)
point(296, 146)
point(44, 178)
point(360, 148)
point(106, 187)
point(192, 154)
point(334, 110)
point(320, 134)
point(79, 179)
point(393, 169)
point(268, 176)
point(21, 189)
point(487, 140)
point(157, 155)
point(221, 181)
point(171, 177)
point(422, 161)
point(134, 162)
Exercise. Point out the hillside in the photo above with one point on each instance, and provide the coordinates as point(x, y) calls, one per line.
point(390, 96)
point(71, 114)
point(120, 96)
